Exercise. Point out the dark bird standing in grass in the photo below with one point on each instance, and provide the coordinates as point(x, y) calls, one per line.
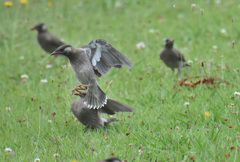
point(90, 117)
point(89, 61)
point(46, 40)
point(172, 57)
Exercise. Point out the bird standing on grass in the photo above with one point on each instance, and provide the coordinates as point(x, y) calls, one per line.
point(97, 58)
point(172, 57)
point(46, 40)
point(90, 117)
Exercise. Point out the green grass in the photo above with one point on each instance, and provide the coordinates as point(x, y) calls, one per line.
point(165, 130)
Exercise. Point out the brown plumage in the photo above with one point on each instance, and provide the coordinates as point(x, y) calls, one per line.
point(46, 40)
point(90, 117)
point(172, 57)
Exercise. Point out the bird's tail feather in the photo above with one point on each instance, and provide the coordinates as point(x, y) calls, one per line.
point(95, 97)
point(113, 106)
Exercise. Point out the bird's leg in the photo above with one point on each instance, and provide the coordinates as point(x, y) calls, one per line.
point(172, 72)
point(79, 87)
point(179, 73)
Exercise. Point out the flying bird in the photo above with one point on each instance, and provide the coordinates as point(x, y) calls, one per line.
point(89, 61)
point(172, 57)
point(91, 118)
point(46, 40)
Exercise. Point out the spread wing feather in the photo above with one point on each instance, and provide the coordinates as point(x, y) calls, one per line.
point(103, 56)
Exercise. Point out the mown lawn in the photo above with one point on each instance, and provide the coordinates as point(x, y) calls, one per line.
point(35, 117)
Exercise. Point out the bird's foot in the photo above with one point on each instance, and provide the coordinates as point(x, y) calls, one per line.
point(79, 87)
point(81, 94)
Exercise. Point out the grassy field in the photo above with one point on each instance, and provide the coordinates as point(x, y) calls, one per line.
point(206, 130)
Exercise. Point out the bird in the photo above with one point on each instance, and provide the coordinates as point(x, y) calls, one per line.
point(111, 159)
point(46, 40)
point(91, 118)
point(89, 62)
point(172, 57)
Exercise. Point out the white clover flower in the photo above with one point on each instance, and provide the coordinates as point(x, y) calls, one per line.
point(196, 59)
point(193, 6)
point(140, 45)
point(223, 31)
point(8, 109)
point(24, 76)
point(118, 4)
point(190, 62)
point(215, 47)
point(218, 2)
point(174, 6)
point(236, 94)
point(37, 160)
point(186, 104)
point(8, 150)
point(56, 155)
point(44, 81)
point(177, 127)
point(152, 31)
point(21, 57)
point(50, 121)
point(48, 66)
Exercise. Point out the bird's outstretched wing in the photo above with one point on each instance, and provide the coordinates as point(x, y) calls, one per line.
point(103, 56)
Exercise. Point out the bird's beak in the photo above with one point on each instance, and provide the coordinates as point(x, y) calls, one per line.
point(54, 53)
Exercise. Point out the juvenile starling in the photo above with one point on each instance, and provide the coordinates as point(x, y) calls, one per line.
point(90, 117)
point(111, 159)
point(172, 57)
point(46, 40)
point(94, 59)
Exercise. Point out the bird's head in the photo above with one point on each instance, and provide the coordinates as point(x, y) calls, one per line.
point(40, 27)
point(63, 50)
point(169, 42)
